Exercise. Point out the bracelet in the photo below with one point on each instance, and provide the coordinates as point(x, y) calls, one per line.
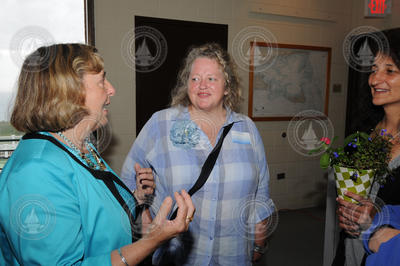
point(122, 257)
point(259, 249)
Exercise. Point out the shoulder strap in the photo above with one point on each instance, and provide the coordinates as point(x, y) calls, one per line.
point(98, 174)
point(108, 179)
point(207, 166)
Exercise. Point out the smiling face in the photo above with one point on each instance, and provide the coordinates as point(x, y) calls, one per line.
point(384, 81)
point(206, 86)
point(98, 91)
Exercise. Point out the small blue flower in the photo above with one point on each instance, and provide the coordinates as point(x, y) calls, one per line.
point(350, 144)
point(335, 154)
point(370, 139)
point(354, 177)
point(184, 134)
point(354, 146)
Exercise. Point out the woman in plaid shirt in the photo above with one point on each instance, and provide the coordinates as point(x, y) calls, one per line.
point(233, 206)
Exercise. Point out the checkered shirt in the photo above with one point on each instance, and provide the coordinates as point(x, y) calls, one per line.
point(234, 198)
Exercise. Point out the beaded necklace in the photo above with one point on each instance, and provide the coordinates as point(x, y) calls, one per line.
point(98, 164)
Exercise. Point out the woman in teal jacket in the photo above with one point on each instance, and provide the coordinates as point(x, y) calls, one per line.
point(61, 204)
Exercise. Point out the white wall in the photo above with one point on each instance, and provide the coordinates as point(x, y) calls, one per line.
point(305, 22)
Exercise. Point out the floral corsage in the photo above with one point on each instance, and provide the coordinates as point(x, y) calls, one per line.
point(184, 134)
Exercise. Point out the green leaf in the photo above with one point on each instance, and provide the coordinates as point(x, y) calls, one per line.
point(350, 138)
point(324, 161)
point(364, 135)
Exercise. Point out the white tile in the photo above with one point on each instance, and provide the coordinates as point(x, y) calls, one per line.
point(277, 155)
point(278, 188)
point(224, 8)
point(143, 6)
point(206, 9)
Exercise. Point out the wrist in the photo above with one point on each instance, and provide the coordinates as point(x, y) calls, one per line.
point(261, 249)
point(154, 235)
point(123, 259)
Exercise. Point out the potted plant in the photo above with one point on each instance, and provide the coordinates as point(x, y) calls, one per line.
point(361, 161)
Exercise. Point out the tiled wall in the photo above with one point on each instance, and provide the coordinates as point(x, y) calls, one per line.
point(304, 22)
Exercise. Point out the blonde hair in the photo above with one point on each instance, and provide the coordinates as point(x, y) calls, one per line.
point(51, 95)
point(215, 52)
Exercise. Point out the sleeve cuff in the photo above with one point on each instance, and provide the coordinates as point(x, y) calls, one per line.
point(386, 217)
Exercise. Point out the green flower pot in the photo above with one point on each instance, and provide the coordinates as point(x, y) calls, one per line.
point(349, 179)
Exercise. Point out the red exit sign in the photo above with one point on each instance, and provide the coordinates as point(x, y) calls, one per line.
point(377, 8)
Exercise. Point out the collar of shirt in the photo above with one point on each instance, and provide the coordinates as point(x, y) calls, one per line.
point(182, 113)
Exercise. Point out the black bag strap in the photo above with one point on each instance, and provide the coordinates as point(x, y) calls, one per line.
point(108, 179)
point(207, 166)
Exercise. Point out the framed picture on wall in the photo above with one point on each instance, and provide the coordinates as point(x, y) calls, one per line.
point(294, 79)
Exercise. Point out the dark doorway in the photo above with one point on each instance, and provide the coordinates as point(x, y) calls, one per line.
point(153, 87)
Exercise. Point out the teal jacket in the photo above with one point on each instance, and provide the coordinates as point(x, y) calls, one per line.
point(54, 212)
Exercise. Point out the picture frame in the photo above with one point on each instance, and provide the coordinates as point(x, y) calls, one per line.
point(285, 79)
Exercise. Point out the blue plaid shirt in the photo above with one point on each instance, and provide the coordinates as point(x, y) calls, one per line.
point(234, 198)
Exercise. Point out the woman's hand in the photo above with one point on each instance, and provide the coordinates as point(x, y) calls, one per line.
point(145, 184)
point(354, 218)
point(163, 229)
point(260, 239)
point(160, 230)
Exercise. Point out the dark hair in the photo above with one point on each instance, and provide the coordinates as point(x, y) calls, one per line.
point(51, 96)
point(392, 46)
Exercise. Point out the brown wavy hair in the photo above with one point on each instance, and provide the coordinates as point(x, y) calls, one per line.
point(212, 51)
point(51, 95)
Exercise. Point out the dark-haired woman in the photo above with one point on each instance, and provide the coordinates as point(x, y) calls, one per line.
point(384, 82)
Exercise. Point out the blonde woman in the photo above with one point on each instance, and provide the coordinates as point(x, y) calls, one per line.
point(61, 204)
point(177, 141)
